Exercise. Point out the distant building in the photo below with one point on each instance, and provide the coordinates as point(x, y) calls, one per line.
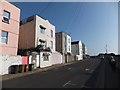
point(9, 28)
point(79, 49)
point(63, 44)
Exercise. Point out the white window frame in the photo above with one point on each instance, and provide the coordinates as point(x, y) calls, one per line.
point(6, 38)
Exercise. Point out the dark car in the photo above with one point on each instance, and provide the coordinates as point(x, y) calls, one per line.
point(113, 62)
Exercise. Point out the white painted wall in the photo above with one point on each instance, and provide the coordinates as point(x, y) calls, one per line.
point(79, 57)
point(6, 61)
point(56, 58)
point(85, 50)
point(47, 36)
point(77, 50)
point(38, 60)
point(44, 63)
point(68, 44)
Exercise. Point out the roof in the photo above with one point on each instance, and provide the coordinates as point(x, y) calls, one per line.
point(75, 42)
point(63, 32)
point(32, 17)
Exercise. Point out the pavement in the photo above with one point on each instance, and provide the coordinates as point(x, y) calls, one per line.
point(67, 76)
point(17, 75)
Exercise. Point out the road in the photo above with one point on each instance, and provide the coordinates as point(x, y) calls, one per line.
point(90, 73)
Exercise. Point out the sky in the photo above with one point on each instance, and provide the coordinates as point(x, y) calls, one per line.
point(94, 23)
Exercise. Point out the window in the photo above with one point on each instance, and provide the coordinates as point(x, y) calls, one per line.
point(42, 29)
point(6, 16)
point(65, 48)
point(45, 58)
point(65, 39)
point(51, 33)
point(51, 44)
point(76, 51)
point(69, 48)
point(69, 40)
point(4, 37)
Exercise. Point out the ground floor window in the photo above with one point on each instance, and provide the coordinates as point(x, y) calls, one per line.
point(45, 58)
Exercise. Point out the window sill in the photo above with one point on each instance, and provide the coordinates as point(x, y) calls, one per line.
point(5, 21)
point(3, 43)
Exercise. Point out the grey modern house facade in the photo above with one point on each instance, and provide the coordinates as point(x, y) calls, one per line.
point(63, 45)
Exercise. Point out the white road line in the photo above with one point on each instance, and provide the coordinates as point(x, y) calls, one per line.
point(66, 83)
point(72, 84)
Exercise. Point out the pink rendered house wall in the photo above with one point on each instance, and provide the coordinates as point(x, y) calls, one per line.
point(12, 28)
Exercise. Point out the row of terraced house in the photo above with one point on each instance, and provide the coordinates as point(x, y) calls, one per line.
point(33, 40)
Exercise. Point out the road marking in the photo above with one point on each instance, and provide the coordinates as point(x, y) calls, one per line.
point(87, 69)
point(72, 84)
point(66, 83)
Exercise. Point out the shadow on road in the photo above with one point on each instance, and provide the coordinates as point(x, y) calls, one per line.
point(104, 76)
point(92, 81)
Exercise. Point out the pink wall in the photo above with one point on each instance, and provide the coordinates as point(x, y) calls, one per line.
point(25, 60)
point(12, 28)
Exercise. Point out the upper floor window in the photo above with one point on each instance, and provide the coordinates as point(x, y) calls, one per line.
point(69, 40)
point(69, 48)
point(51, 33)
point(51, 44)
point(65, 47)
point(6, 16)
point(65, 39)
point(42, 29)
point(4, 37)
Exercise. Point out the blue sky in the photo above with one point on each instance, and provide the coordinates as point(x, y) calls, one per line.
point(94, 23)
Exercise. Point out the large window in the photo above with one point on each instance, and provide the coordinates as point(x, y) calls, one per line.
point(6, 16)
point(42, 29)
point(51, 32)
point(4, 37)
point(51, 44)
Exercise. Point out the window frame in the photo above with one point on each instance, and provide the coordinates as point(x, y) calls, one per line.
point(51, 44)
point(51, 33)
point(5, 37)
point(69, 40)
point(47, 58)
point(42, 29)
point(69, 47)
point(4, 17)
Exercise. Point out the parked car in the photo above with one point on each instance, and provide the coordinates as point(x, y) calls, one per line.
point(113, 62)
point(102, 57)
